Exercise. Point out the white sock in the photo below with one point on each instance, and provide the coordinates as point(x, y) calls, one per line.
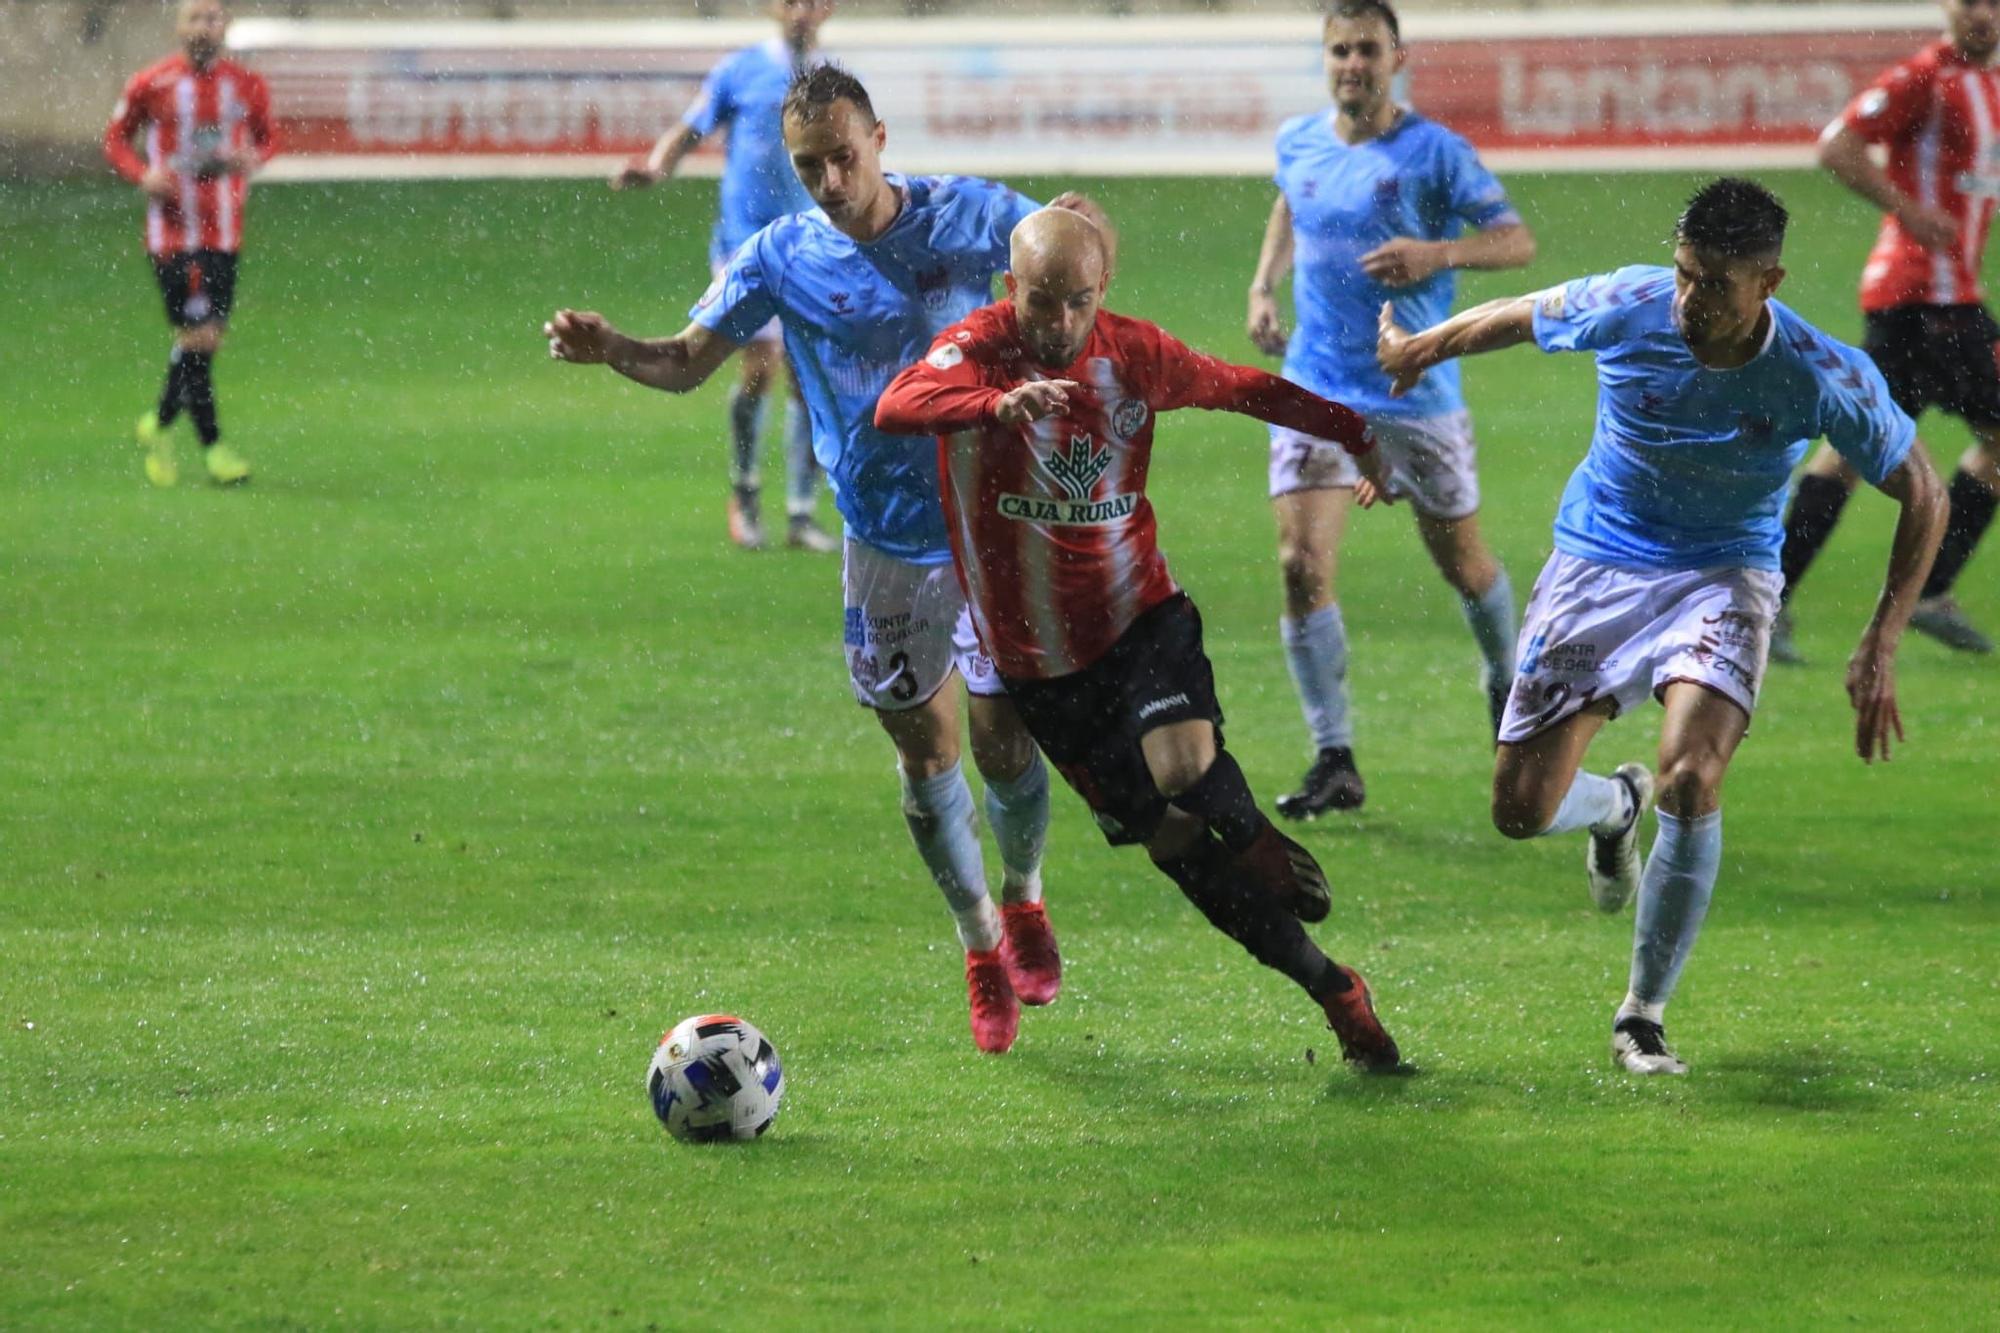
point(1018, 811)
point(945, 828)
point(1316, 651)
point(1673, 902)
point(1602, 805)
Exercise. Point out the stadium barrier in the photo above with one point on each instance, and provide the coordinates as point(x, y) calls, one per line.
point(1575, 90)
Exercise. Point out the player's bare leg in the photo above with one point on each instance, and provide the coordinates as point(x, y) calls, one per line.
point(1017, 808)
point(1697, 741)
point(760, 360)
point(937, 805)
point(1975, 493)
point(1311, 524)
point(1540, 789)
point(1252, 890)
point(1486, 596)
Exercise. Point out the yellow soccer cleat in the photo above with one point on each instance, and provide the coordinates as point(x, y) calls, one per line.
point(158, 442)
point(226, 467)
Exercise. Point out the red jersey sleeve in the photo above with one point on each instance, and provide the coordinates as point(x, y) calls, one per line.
point(1178, 376)
point(947, 391)
point(1890, 107)
point(127, 119)
point(263, 130)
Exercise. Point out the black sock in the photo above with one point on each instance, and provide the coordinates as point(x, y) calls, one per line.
point(200, 395)
point(1816, 507)
point(1223, 801)
point(174, 389)
point(1972, 504)
point(1247, 914)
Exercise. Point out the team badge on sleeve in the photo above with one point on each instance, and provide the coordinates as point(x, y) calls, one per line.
point(1552, 303)
point(944, 356)
point(1873, 103)
point(708, 297)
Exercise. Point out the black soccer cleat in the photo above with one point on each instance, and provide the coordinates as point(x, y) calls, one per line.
point(1332, 783)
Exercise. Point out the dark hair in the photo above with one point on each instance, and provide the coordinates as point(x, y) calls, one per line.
point(1733, 217)
point(816, 88)
point(1361, 9)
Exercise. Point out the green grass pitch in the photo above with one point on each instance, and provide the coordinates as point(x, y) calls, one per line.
point(363, 829)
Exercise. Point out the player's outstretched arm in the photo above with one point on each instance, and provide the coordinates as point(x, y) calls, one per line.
point(676, 364)
point(661, 163)
point(1844, 154)
point(1404, 261)
point(1871, 672)
point(1264, 324)
point(1404, 356)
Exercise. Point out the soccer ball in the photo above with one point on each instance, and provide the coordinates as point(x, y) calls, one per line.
point(715, 1077)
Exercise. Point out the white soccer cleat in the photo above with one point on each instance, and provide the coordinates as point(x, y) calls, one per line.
point(1639, 1046)
point(1613, 858)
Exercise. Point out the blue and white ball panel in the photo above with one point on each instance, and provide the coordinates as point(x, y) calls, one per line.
point(715, 1077)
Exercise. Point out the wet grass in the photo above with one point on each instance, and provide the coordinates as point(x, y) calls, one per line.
point(364, 828)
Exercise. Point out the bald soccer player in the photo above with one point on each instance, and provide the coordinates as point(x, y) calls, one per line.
point(1044, 406)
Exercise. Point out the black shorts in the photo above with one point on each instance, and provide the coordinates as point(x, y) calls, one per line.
point(1940, 356)
point(199, 286)
point(1089, 722)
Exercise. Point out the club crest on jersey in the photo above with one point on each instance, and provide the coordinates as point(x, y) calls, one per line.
point(944, 356)
point(1128, 418)
point(1078, 465)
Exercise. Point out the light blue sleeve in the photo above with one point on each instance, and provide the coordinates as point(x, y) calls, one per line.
point(1585, 314)
point(741, 301)
point(1857, 415)
point(1471, 191)
point(715, 105)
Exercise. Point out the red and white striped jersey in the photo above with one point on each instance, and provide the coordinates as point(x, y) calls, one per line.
point(1939, 116)
point(192, 118)
point(1050, 527)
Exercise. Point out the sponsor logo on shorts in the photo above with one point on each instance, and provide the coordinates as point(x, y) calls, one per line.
point(1561, 658)
point(1162, 705)
point(1730, 629)
point(1067, 513)
point(855, 632)
point(888, 631)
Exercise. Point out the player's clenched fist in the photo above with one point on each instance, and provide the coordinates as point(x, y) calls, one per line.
point(583, 337)
point(1033, 401)
point(1396, 352)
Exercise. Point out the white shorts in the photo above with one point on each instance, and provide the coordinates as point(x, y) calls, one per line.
point(1431, 460)
point(907, 626)
point(773, 332)
point(1596, 632)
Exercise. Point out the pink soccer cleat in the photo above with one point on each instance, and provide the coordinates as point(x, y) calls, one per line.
point(996, 1013)
point(1028, 948)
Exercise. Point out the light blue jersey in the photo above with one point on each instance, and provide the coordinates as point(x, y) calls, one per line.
point(743, 94)
point(1688, 466)
point(854, 315)
point(1418, 180)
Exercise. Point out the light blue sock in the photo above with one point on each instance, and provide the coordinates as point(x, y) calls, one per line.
point(1018, 812)
point(1494, 627)
point(1598, 804)
point(945, 827)
point(1673, 900)
point(746, 436)
point(801, 469)
point(1316, 650)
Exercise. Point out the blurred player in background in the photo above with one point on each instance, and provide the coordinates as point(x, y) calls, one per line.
point(1045, 406)
point(741, 97)
point(1664, 581)
point(1374, 203)
point(206, 124)
point(861, 285)
point(1928, 328)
